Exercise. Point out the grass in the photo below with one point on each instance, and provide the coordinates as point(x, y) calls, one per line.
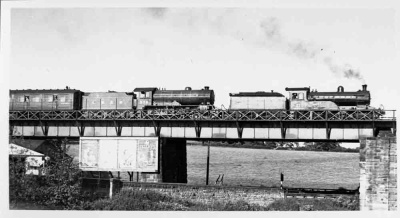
point(129, 199)
point(134, 199)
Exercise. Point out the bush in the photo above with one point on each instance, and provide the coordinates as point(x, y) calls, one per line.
point(60, 186)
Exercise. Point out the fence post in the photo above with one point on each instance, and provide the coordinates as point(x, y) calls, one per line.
point(111, 187)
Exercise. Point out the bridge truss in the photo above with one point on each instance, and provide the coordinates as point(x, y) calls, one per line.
point(198, 119)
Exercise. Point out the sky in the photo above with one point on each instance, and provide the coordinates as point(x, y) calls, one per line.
point(230, 49)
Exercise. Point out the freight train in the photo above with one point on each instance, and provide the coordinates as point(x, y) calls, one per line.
point(203, 99)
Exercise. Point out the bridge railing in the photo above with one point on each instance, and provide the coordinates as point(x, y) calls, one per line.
point(211, 115)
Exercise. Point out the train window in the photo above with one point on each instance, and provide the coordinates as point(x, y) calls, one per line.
point(301, 96)
point(142, 94)
point(111, 102)
point(62, 99)
point(102, 101)
point(55, 97)
point(35, 99)
point(294, 96)
point(21, 99)
point(120, 102)
point(26, 98)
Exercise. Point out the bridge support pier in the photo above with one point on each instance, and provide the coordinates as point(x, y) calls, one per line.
point(378, 173)
point(173, 164)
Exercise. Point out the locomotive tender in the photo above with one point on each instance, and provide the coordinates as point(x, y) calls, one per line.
point(203, 99)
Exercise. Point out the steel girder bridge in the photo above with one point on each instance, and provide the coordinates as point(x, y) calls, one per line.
point(285, 125)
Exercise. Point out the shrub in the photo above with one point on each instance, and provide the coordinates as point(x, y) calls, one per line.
point(60, 186)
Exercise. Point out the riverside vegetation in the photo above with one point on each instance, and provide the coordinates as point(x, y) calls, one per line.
point(60, 189)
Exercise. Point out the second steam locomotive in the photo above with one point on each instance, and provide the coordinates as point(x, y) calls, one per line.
point(153, 98)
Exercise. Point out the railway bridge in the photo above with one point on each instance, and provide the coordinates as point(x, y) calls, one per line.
point(285, 125)
point(378, 169)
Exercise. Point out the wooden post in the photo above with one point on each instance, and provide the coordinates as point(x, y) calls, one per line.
point(111, 188)
point(208, 162)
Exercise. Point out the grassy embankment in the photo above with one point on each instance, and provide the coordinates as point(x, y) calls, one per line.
point(146, 200)
point(130, 199)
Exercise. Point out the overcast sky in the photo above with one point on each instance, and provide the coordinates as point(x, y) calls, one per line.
point(228, 49)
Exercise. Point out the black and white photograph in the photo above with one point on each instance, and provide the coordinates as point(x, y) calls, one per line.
point(189, 106)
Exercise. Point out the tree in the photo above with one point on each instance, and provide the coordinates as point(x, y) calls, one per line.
point(322, 146)
point(60, 186)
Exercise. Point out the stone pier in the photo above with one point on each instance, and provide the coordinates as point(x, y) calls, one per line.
point(378, 173)
point(172, 164)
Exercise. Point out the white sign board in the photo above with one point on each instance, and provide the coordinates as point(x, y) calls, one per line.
point(139, 154)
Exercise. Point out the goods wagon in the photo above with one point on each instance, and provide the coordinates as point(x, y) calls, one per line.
point(107, 100)
point(45, 99)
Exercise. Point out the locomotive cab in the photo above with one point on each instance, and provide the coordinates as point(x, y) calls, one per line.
point(144, 97)
point(299, 100)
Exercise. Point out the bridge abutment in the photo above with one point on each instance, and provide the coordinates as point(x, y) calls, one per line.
point(378, 173)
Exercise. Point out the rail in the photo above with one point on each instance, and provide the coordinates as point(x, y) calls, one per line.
point(207, 115)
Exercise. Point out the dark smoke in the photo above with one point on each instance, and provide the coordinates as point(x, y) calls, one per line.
point(157, 12)
point(350, 73)
point(271, 29)
point(346, 69)
point(301, 49)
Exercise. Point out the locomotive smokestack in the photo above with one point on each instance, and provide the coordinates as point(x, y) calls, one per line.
point(364, 87)
point(340, 89)
point(206, 88)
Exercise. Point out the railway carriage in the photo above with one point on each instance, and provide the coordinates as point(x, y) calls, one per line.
point(46, 99)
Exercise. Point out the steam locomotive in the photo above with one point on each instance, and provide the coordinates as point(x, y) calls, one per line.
point(302, 99)
point(152, 98)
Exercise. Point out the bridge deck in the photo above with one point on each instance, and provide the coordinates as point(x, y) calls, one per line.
point(213, 115)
